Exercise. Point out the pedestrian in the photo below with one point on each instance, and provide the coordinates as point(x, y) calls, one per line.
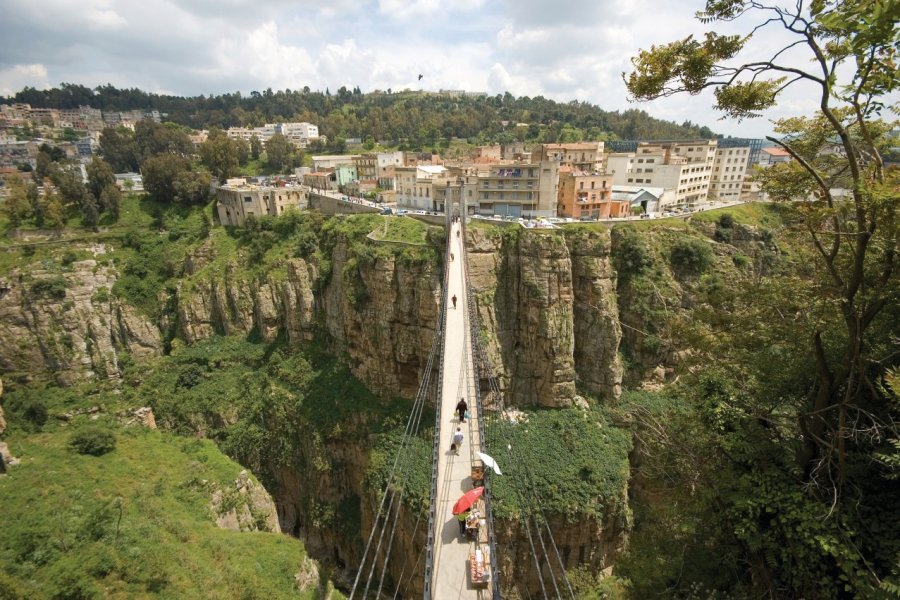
point(451, 257)
point(457, 441)
point(457, 233)
point(461, 408)
point(454, 300)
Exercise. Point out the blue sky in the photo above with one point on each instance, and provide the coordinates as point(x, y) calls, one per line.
point(573, 50)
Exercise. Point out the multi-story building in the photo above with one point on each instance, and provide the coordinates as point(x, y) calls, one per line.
point(238, 200)
point(321, 180)
point(772, 156)
point(588, 195)
point(685, 167)
point(366, 166)
point(583, 156)
point(415, 186)
point(518, 189)
point(299, 134)
point(728, 173)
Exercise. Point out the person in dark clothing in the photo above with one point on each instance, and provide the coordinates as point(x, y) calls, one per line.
point(454, 300)
point(461, 408)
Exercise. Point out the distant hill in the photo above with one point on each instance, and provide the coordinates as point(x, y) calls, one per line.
point(411, 119)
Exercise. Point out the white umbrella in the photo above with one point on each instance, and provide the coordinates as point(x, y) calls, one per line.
point(490, 462)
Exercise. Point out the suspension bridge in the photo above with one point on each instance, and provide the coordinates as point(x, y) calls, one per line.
point(459, 558)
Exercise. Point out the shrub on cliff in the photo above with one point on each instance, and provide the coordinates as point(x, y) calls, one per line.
point(691, 256)
point(93, 440)
point(633, 256)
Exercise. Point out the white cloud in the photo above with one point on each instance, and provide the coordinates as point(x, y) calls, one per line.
point(17, 77)
point(406, 9)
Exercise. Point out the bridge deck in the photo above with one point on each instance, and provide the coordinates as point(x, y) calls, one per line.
point(451, 550)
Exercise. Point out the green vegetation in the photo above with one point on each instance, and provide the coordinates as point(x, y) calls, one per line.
point(405, 120)
point(130, 523)
point(577, 461)
point(93, 440)
point(401, 229)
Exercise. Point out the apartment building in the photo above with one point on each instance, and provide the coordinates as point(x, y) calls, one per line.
point(237, 200)
point(685, 167)
point(299, 134)
point(729, 170)
point(321, 180)
point(415, 186)
point(366, 166)
point(583, 156)
point(588, 195)
point(518, 189)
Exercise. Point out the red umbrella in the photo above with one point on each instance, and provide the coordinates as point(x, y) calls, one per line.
point(467, 500)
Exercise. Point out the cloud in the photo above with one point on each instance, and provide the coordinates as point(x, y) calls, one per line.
point(14, 79)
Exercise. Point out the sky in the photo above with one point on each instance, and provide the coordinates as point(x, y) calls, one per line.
point(572, 50)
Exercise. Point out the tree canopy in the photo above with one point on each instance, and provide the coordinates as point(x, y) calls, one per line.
point(832, 412)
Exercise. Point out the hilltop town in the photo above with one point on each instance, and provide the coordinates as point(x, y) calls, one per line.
point(539, 183)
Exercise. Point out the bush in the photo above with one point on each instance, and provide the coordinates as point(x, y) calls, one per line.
point(691, 256)
point(93, 440)
point(50, 288)
point(633, 256)
point(32, 410)
point(68, 258)
point(726, 221)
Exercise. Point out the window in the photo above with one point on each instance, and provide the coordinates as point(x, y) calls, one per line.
point(592, 184)
point(248, 199)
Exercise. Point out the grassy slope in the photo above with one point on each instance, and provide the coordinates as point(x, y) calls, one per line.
point(62, 536)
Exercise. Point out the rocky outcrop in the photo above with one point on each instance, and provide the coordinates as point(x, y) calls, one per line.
point(244, 507)
point(547, 306)
point(65, 324)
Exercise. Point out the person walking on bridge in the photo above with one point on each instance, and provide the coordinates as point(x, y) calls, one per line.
point(461, 408)
point(457, 440)
point(454, 300)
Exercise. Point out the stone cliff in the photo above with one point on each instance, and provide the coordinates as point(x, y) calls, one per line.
point(547, 305)
point(67, 326)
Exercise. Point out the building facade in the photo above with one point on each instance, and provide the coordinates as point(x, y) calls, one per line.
point(517, 190)
point(586, 195)
point(238, 200)
point(685, 167)
point(729, 170)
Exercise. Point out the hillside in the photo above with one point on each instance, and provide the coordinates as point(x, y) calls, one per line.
point(655, 366)
point(415, 120)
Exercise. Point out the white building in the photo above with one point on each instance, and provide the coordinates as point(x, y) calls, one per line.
point(729, 170)
point(415, 186)
point(685, 167)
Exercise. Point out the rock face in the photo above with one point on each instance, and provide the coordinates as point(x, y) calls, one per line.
point(548, 310)
point(67, 325)
point(245, 507)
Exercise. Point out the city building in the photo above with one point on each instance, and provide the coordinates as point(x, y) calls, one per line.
point(320, 163)
point(366, 166)
point(321, 180)
point(583, 156)
point(588, 195)
point(415, 186)
point(518, 189)
point(729, 169)
point(685, 167)
point(772, 156)
point(647, 199)
point(238, 200)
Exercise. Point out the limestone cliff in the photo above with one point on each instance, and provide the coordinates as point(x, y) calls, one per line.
point(66, 325)
point(547, 305)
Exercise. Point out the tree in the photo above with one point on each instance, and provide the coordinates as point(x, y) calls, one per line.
point(192, 187)
point(110, 198)
point(255, 147)
point(54, 212)
point(118, 148)
point(90, 214)
point(220, 154)
point(851, 47)
point(278, 151)
point(16, 207)
point(100, 175)
point(159, 173)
